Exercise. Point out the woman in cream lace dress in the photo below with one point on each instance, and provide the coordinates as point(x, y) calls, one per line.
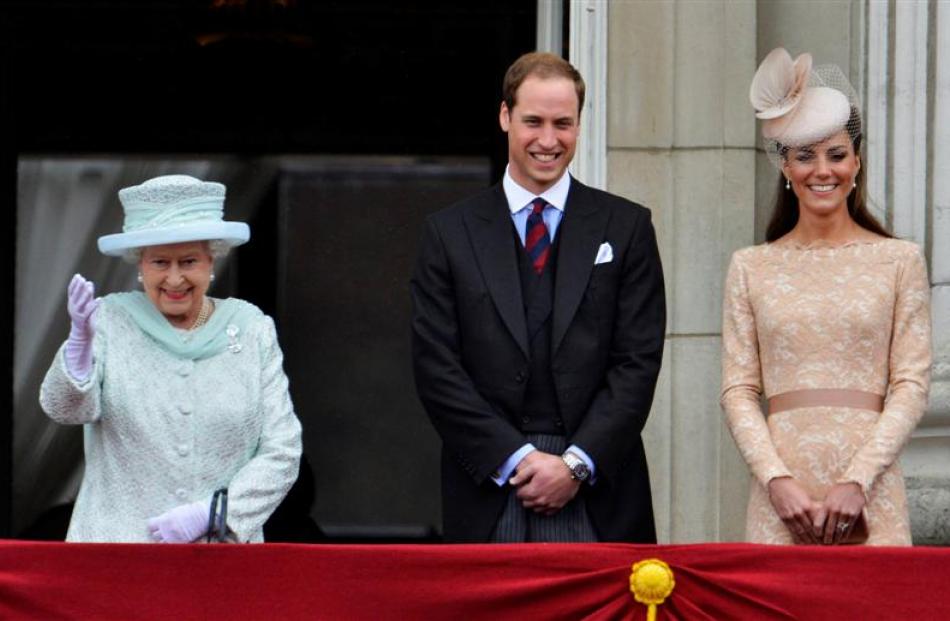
point(830, 321)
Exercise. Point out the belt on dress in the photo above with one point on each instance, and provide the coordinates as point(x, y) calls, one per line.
point(828, 397)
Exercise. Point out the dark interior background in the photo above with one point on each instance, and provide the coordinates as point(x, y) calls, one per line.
point(398, 99)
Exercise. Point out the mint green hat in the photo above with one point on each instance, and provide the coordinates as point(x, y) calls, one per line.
point(172, 209)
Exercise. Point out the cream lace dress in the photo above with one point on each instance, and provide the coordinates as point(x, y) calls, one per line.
point(855, 316)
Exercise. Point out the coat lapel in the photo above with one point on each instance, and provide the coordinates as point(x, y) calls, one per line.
point(489, 226)
point(581, 233)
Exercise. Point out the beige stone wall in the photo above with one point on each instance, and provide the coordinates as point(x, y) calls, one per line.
point(682, 142)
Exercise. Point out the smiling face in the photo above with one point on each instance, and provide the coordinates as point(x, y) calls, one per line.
point(823, 174)
point(176, 278)
point(542, 130)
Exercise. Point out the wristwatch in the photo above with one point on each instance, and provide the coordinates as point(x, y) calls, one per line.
point(579, 470)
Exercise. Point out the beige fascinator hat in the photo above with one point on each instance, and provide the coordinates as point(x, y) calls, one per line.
point(172, 209)
point(801, 104)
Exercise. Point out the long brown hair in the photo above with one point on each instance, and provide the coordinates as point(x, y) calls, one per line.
point(785, 210)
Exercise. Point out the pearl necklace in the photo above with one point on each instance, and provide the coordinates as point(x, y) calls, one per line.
point(206, 307)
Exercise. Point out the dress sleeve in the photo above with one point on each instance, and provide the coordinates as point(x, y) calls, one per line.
point(67, 400)
point(259, 486)
point(908, 377)
point(742, 379)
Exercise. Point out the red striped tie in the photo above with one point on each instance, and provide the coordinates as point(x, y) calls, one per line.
point(537, 242)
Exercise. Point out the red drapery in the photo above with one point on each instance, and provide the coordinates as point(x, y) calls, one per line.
point(468, 582)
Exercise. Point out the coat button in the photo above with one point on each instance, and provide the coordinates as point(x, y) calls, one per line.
point(185, 368)
point(181, 493)
point(559, 423)
point(525, 419)
point(519, 377)
point(185, 409)
point(183, 450)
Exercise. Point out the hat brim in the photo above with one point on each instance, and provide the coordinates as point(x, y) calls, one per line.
point(231, 233)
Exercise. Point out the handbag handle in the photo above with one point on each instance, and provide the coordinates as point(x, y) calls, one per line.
point(218, 517)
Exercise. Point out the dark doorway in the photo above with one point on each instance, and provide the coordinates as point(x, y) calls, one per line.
point(380, 92)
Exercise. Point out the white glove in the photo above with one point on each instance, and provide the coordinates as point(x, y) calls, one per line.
point(183, 524)
point(82, 304)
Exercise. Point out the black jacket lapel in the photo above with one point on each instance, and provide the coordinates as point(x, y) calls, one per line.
point(489, 226)
point(581, 233)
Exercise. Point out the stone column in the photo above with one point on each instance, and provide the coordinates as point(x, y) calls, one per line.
point(681, 140)
point(915, 37)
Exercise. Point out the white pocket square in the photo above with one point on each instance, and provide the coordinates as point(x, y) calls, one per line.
point(605, 254)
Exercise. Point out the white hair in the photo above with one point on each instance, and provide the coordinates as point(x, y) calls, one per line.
point(217, 248)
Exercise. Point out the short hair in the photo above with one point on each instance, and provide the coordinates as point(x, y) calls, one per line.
point(217, 248)
point(543, 65)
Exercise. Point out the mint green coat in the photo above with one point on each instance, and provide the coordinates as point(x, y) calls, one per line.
point(162, 431)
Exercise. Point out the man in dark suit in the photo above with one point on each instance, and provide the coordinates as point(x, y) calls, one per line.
point(538, 325)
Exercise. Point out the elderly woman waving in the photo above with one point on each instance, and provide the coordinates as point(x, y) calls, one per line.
point(181, 394)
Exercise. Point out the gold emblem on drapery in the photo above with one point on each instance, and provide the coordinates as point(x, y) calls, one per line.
point(651, 582)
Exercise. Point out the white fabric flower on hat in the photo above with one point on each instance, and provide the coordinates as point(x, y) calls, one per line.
point(779, 83)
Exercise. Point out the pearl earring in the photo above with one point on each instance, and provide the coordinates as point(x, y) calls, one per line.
point(788, 184)
point(139, 278)
point(212, 277)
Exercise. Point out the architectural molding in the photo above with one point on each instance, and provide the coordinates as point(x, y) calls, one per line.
point(909, 139)
point(876, 110)
point(588, 53)
point(940, 142)
point(550, 28)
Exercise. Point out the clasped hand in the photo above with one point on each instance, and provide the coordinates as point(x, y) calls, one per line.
point(827, 522)
point(544, 483)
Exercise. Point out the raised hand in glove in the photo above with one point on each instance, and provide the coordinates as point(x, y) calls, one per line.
point(82, 304)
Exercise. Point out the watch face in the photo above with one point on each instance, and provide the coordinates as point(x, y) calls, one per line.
point(578, 467)
point(581, 471)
